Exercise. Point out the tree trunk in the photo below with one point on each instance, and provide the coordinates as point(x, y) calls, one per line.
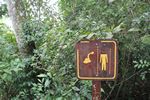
point(16, 11)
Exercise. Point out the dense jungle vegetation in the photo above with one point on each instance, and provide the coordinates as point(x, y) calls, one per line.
point(37, 55)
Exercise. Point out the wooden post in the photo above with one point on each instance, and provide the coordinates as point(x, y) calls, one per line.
point(96, 90)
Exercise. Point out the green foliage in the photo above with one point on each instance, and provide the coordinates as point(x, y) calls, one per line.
point(50, 72)
point(10, 64)
point(62, 65)
point(126, 21)
point(3, 10)
point(143, 65)
point(146, 39)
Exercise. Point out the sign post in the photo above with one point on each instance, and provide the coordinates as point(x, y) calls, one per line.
point(96, 60)
point(96, 90)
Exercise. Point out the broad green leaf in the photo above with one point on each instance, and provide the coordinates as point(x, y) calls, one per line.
point(42, 75)
point(134, 30)
point(90, 35)
point(118, 28)
point(75, 88)
point(47, 83)
point(146, 39)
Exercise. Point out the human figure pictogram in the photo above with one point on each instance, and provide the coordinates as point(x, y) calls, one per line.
point(103, 61)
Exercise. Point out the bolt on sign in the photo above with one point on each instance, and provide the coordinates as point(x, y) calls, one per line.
point(97, 59)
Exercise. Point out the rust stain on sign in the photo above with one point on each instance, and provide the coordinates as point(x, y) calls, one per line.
point(97, 59)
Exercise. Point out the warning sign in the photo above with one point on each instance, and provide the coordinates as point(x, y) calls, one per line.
point(97, 60)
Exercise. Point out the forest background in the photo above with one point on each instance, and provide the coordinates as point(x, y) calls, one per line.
point(37, 54)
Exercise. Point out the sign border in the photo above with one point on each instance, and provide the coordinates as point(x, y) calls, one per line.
point(98, 78)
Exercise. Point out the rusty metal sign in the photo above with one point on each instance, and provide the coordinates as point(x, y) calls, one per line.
point(97, 59)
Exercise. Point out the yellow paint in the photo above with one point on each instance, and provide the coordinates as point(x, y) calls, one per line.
point(103, 61)
point(98, 78)
point(84, 41)
point(97, 63)
point(87, 59)
point(78, 63)
point(110, 60)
